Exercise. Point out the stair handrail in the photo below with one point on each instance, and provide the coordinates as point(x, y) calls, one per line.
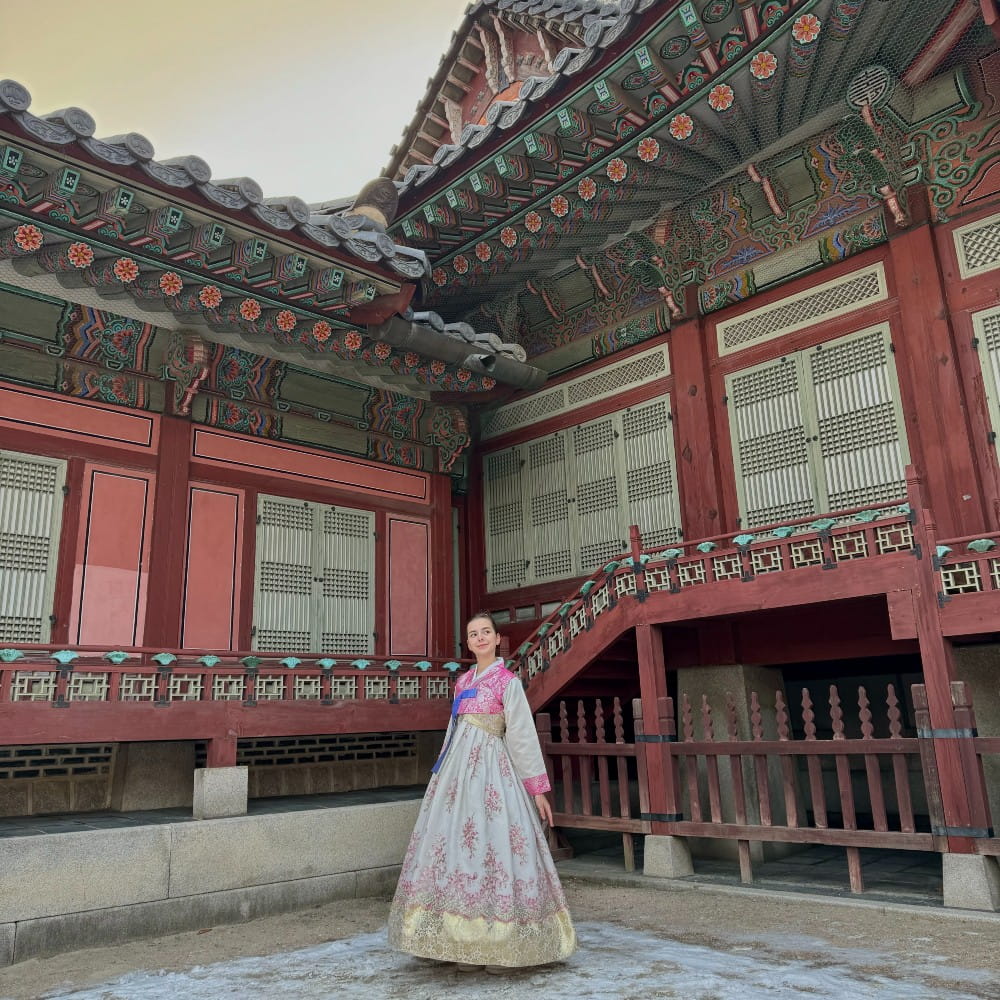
point(528, 659)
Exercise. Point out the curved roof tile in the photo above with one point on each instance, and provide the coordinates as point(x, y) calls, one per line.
point(74, 125)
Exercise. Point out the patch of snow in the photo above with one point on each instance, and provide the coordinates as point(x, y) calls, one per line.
point(613, 962)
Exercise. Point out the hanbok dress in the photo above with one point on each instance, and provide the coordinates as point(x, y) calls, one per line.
point(478, 884)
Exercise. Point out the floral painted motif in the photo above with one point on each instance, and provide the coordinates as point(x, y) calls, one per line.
point(321, 331)
point(493, 804)
point(721, 97)
point(28, 238)
point(648, 149)
point(80, 255)
point(210, 297)
point(382, 350)
point(438, 367)
point(587, 188)
point(126, 269)
point(451, 794)
point(411, 360)
point(285, 320)
point(463, 374)
point(559, 206)
point(352, 341)
point(470, 836)
point(461, 264)
point(250, 309)
point(508, 236)
point(532, 222)
point(681, 126)
point(483, 251)
point(806, 29)
point(489, 383)
point(763, 65)
point(438, 276)
point(617, 170)
point(170, 283)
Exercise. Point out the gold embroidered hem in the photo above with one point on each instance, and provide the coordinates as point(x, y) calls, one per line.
point(492, 724)
point(449, 937)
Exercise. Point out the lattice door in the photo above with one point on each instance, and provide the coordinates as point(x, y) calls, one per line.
point(506, 560)
point(650, 484)
point(987, 326)
point(774, 477)
point(862, 447)
point(549, 520)
point(30, 519)
point(598, 502)
point(347, 580)
point(283, 601)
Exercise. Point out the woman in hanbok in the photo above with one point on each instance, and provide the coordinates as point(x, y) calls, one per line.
point(478, 885)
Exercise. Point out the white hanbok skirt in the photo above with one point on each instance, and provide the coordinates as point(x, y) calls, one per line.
point(478, 884)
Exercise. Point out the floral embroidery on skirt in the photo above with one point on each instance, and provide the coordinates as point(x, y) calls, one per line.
point(478, 883)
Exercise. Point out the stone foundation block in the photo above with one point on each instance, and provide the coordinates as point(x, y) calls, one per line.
point(667, 857)
point(99, 928)
point(66, 872)
point(378, 883)
point(220, 792)
point(6, 944)
point(971, 881)
point(257, 850)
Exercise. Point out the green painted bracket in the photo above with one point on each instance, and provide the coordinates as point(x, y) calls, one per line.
point(251, 662)
point(981, 545)
point(452, 666)
point(115, 657)
point(393, 664)
point(422, 665)
point(823, 524)
point(361, 664)
point(208, 660)
point(326, 663)
point(744, 540)
point(10, 655)
point(867, 516)
point(290, 661)
point(164, 659)
point(784, 531)
point(707, 546)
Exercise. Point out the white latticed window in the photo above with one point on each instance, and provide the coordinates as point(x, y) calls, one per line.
point(31, 503)
point(820, 430)
point(987, 327)
point(315, 582)
point(561, 505)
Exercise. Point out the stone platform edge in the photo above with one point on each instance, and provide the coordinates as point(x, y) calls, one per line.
point(62, 892)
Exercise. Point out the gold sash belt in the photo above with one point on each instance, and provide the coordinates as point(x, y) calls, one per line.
point(495, 725)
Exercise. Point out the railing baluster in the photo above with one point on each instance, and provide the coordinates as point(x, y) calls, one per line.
point(691, 764)
point(739, 792)
point(760, 762)
point(846, 791)
point(586, 771)
point(813, 763)
point(900, 771)
point(873, 772)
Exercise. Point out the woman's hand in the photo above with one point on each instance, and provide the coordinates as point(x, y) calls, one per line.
point(544, 809)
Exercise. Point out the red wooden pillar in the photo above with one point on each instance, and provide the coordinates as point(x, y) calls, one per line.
point(221, 751)
point(934, 403)
point(698, 467)
point(963, 793)
point(662, 790)
point(165, 604)
point(441, 576)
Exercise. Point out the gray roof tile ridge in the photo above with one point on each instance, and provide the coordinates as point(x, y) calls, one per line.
point(71, 125)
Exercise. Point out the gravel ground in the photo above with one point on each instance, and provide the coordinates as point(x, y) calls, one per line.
point(690, 942)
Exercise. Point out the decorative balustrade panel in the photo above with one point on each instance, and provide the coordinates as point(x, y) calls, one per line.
point(278, 693)
point(968, 565)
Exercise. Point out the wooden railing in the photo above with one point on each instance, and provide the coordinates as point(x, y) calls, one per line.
point(130, 694)
point(574, 766)
point(826, 542)
point(849, 775)
point(66, 675)
point(969, 565)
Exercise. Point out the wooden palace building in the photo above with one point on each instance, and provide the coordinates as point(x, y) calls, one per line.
point(670, 335)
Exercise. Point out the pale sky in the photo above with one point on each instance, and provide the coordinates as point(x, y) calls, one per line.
point(305, 96)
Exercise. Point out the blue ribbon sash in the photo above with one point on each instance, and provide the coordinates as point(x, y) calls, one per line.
point(459, 698)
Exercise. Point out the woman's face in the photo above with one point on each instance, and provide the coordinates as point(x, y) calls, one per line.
point(481, 636)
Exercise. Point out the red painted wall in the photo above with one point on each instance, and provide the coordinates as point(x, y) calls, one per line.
point(214, 564)
point(409, 580)
point(111, 574)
